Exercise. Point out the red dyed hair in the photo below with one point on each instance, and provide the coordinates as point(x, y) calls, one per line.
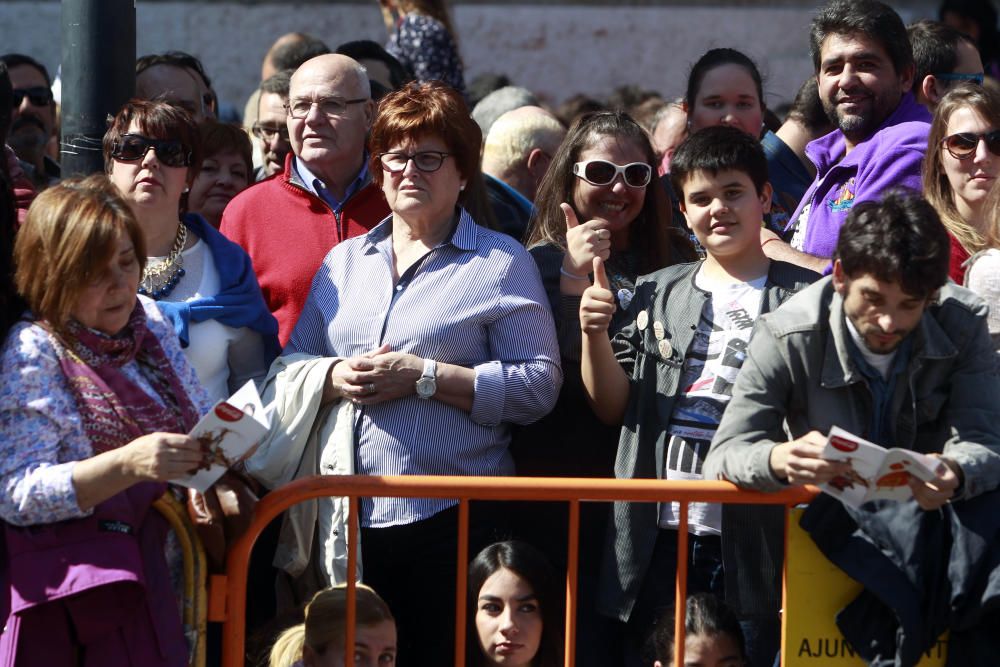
point(426, 109)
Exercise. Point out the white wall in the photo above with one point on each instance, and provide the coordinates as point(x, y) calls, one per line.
point(555, 50)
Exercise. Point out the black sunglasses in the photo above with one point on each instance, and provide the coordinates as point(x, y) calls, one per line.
point(40, 96)
point(963, 145)
point(170, 152)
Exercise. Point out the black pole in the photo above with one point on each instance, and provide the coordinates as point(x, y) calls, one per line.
point(98, 77)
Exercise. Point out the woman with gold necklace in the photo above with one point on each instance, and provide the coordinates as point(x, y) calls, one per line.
point(202, 281)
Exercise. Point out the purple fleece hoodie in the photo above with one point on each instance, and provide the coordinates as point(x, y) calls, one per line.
point(890, 158)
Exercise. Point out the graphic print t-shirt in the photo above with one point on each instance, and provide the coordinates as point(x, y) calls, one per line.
point(710, 368)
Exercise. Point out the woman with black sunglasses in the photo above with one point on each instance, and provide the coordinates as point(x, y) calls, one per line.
point(960, 169)
point(202, 281)
point(596, 200)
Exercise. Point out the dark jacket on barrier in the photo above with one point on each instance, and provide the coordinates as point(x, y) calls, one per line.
point(923, 573)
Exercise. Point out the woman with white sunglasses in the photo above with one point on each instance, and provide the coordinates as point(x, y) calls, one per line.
point(960, 169)
point(596, 200)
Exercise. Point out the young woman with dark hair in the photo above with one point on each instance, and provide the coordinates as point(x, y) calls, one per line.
point(725, 88)
point(514, 608)
point(597, 199)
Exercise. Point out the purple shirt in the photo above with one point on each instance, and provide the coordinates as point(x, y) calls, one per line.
point(889, 159)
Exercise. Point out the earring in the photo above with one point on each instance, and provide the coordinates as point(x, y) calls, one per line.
point(187, 189)
point(461, 187)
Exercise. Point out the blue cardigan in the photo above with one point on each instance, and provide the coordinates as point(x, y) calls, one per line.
point(239, 302)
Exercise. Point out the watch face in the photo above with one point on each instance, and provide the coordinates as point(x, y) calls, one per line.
point(426, 387)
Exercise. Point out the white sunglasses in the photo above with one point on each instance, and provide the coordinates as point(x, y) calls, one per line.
point(602, 172)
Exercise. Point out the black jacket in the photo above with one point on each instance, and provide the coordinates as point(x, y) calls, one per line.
point(923, 573)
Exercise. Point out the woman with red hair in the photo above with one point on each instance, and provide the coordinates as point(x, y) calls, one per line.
point(439, 333)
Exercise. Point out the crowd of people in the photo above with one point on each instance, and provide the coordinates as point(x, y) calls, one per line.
point(425, 275)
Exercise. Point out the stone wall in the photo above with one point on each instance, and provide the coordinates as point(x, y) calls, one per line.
point(554, 48)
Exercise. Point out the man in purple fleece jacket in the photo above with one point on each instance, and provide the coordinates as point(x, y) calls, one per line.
point(864, 69)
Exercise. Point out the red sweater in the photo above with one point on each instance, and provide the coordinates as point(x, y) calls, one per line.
point(958, 256)
point(287, 231)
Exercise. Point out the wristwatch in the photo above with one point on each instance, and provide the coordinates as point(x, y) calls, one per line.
point(427, 384)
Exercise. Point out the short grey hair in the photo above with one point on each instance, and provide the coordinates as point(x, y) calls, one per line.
point(498, 103)
point(513, 136)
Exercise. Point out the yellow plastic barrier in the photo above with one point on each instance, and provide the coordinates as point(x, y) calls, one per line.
point(815, 590)
point(194, 605)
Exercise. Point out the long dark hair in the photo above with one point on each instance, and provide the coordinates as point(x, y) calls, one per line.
point(651, 236)
point(11, 303)
point(528, 563)
point(716, 58)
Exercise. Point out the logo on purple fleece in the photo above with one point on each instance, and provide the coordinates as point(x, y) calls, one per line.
point(844, 199)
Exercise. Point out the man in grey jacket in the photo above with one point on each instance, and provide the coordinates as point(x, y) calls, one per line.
point(883, 348)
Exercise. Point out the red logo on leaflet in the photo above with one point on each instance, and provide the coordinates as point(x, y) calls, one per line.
point(843, 444)
point(228, 413)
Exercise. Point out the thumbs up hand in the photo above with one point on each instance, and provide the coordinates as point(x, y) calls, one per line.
point(584, 242)
point(597, 304)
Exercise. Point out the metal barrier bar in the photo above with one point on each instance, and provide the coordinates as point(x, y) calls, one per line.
point(353, 530)
point(680, 592)
point(784, 589)
point(572, 581)
point(461, 581)
point(233, 611)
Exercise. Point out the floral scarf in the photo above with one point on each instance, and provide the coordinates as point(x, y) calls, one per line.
point(114, 409)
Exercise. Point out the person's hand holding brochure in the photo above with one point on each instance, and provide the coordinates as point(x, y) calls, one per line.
point(876, 473)
point(228, 434)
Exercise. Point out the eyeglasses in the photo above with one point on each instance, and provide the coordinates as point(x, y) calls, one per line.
point(602, 172)
point(963, 145)
point(331, 107)
point(39, 96)
point(170, 152)
point(961, 76)
point(269, 132)
point(426, 161)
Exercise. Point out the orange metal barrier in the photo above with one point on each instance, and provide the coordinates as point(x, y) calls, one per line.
point(227, 594)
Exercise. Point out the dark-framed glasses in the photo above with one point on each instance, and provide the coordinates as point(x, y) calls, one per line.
point(974, 77)
point(269, 132)
point(331, 107)
point(963, 145)
point(602, 172)
point(169, 152)
point(39, 96)
point(426, 161)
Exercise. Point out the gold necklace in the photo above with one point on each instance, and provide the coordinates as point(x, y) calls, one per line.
point(159, 279)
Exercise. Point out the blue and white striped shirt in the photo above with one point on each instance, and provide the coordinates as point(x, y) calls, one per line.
point(475, 301)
